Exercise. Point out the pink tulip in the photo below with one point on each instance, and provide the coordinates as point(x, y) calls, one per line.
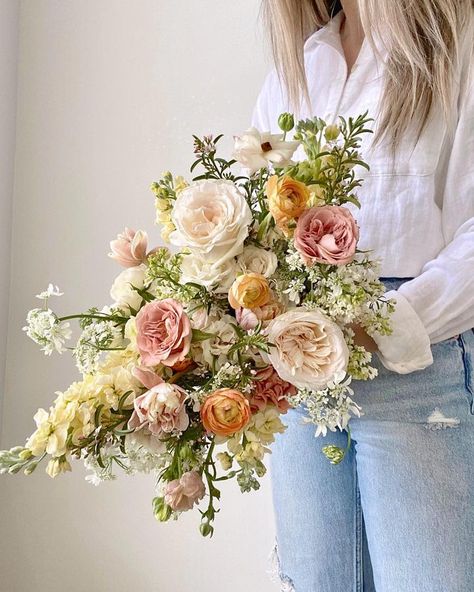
point(129, 248)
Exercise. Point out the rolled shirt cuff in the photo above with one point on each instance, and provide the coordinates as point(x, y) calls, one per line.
point(408, 347)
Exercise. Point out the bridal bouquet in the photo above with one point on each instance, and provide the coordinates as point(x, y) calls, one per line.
point(205, 347)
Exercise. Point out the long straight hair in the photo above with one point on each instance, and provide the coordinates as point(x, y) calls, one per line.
point(423, 41)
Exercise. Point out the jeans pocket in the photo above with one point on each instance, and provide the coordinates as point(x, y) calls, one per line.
point(466, 343)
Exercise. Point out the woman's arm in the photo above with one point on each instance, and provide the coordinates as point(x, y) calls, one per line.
point(439, 303)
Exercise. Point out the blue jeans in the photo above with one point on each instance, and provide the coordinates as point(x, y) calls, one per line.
point(397, 515)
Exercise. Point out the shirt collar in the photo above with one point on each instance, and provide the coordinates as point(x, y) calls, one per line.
point(329, 35)
point(326, 35)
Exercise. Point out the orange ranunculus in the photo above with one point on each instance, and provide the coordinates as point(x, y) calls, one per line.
point(287, 199)
point(183, 365)
point(225, 412)
point(249, 290)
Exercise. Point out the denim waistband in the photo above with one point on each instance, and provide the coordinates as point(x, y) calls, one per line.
point(392, 283)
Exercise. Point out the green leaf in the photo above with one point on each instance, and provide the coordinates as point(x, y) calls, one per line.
point(264, 227)
point(352, 199)
point(201, 335)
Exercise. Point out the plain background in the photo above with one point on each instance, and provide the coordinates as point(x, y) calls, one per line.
point(107, 94)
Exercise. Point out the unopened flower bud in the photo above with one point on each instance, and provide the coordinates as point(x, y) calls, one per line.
point(334, 454)
point(25, 454)
point(30, 468)
point(16, 449)
point(206, 529)
point(161, 510)
point(14, 469)
point(331, 132)
point(286, 122)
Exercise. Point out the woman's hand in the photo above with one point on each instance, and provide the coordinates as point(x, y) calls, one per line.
point(362, 338)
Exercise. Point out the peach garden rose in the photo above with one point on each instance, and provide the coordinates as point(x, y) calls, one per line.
point(310, 348)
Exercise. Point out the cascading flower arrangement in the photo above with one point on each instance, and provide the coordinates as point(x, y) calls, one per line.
point(203, 350)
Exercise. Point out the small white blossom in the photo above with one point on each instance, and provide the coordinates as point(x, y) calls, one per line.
point(95, 338)
point(44, 328)
point(50, 291)
point(295, 289)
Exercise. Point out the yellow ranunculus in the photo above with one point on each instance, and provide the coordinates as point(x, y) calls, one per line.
point(249, 290)
point(287, 199)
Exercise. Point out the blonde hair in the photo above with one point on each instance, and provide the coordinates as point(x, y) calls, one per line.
point(422, 38)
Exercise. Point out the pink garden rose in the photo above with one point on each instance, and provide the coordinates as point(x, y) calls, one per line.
point(181, 494)
point(163, 333)
point(160, 410)
point(326, 234)
point(129, 248)
point(270, 388)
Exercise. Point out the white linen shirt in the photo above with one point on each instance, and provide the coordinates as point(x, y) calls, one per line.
point(417, 212)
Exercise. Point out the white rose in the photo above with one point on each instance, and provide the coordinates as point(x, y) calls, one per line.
point(208, 274)
point(310, 348)
point(211, 218)
point(122, 292)
point(216, 349)
point(255, 150)
point(256, 260)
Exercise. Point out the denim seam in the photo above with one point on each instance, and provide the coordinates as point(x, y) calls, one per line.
point(358, 535)
point(467, 372)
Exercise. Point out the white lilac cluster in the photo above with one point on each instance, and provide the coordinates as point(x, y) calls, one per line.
point(228, 374)
point(45, 329)
point(96, 338)
point(137, 460)
point(359, 359)
point(343, 293)
point(330, 408)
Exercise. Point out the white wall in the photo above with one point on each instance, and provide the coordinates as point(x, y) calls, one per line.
point(109, 94)
point(9, 10)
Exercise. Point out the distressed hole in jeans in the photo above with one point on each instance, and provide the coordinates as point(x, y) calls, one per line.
point(274, 570)
point(438, 421)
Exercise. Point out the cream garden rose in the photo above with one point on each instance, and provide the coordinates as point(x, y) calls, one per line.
point(208, 274)
point(211, 219)
point(257, 260)
point(122, 291)
point(310, 348)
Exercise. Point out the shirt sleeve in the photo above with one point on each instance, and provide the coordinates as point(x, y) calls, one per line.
point(439, 302)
